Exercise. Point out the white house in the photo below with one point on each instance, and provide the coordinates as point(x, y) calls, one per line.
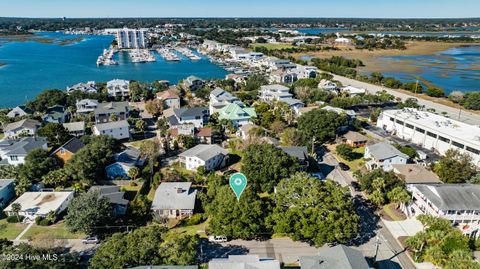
point(432, 131)
point(277, 92)
point(116, 129)
point(193, 83)
point(353, 91)
point(459, 203)
point(19, 111)
point(75, 128)
point(170, 99)
point(88, 87)
point(327, 85)
point(209, 156)
point(239, 115)
point(14, 151)
point(306, 71)
point(198, 116)
point(219, 98)
point(118, 88)
point(86, 106)
point(284, 76)
point(35, 204)
point(174, 200)
point(21, 128)
point(383, 155)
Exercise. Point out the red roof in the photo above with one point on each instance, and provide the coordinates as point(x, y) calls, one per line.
point(204, 132)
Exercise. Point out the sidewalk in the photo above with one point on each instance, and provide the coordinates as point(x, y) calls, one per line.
point(24, 231)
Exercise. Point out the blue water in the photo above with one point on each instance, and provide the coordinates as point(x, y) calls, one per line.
point(453, 69)
point(32, 66)
point(324, 31)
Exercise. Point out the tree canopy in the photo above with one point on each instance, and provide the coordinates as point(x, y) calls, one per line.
point(455, 167)
point(321, 125)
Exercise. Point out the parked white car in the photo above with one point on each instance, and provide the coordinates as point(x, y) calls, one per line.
point(217, 238)
point(90, 240)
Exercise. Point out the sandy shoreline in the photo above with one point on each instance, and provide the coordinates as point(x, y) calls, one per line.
point(373, 58)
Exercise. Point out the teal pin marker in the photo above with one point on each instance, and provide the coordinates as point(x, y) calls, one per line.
point(238, 183)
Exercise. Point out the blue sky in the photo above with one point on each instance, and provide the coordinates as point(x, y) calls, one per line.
point(242, 8)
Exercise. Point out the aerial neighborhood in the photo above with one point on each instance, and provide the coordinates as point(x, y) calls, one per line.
point(339, 174)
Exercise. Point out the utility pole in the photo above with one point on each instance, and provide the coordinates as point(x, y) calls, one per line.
point(459, 113)
point(377, 245)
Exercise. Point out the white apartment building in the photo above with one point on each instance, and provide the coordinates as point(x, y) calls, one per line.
point(118, 88)
point(432, 131)
point(458, 203)
point(131, 38)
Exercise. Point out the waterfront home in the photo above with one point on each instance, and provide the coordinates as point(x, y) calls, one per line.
point(118, 88)
point(283, 76)
point(239, 115)
point(238, 78)
point(111, 111)
point(457, 203)
point(339, 256)
point(219, 98)
point(76, 129)
point(21, 128)
point(352, 91)
point(55, 114)
point(170, 99)
point(88, 87)
point(415, 174)
point(198, 116)
point(14, 151)
point(19, 111)
point(432, 131)
point(355, 139)
point(114, 196)
point(383, 155)
point(306, 71)
point(342, 41)
point(243, 261)
point(299, 153)
point(270, 93)
point(40, 204)
point(7, 191)
point(66, 151)
point(211, 157)
point(174, 200)
point(193, 83)
point(327, 85)
point(86, 106)
point(124, 161)
point(116, 129)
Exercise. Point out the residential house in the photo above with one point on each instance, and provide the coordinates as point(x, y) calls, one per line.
point(243, 261)
point(88, 87)
point(238, 78)
point(7, 191)
point(124, 161)
point(300, 153)
point(238, 115)
point(286, 76)
point(19, 111)
point(55, 114)
point(118, 88)
point(351, 115)
point(383, 155)
point(193, 83)
point(457, 203)
point(106, 111)
point(339, 256)
point(306, 71)
point(14, 151)
point(114, 196)
point(294, 104)
point(35, 204)
point(270, 93)
point(170, 99)
point(86, 106)
point(204, 135)
point(415, 174)
point(219, 98)
point(327, 85)
point(198, 116)
point(66, 151)
point(116, 129)
point(209, 156)
point(21, 128)
point(174, 200)
point(245, 130)
point(355, 139)
point(353, 91)
point(76, 129)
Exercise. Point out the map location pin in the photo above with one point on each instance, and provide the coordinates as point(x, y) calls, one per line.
point(238, 183)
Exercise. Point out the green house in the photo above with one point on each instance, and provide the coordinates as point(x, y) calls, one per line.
point(238, 115)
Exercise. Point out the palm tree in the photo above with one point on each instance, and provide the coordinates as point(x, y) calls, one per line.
point(16, 207)
point(133, 173)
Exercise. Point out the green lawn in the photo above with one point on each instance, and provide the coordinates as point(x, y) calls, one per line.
point(10, 230)
point(270, 46)
point(355, 164)
point(392, 214)
point(58, 231)
point(193, 229)
point(2, 135)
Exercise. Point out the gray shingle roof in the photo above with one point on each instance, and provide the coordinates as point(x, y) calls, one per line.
point(73, 145)
point(112, 125)
point(174, 195)
point(112, 193)
point(5, 182)
point(452, 196)
point(26, 123)
point(190, 112)
point(340, 257)
point(204, 152)
point(382, 151)
point(25, 145)
point(111, 107)
point(75, 126)
point(300, 153)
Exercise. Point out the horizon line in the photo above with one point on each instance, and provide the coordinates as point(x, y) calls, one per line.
point(246, 17)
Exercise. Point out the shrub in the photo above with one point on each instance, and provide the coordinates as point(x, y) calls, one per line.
point(133, 184)
point(44, 222)
point(195, 219)
point(15, 219)
point(38, 219)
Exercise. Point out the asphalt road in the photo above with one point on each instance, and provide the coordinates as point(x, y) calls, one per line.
point(454, 113)
point(372, 230)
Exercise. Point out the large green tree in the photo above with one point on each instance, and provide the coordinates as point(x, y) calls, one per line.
point(152, 245)
point(321, 125)
point(88, 212)
point(55, 133)
point(313, 210)
point(455, 167)
point(264, 165)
